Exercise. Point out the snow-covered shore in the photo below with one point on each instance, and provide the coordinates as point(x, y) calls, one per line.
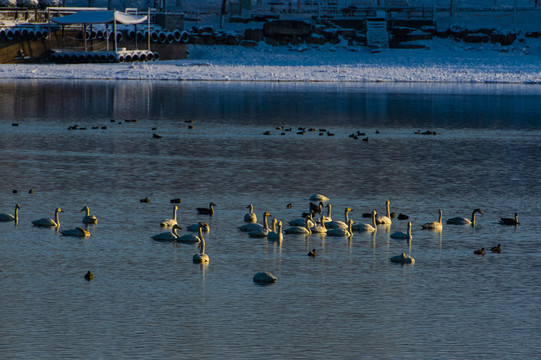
point(444, 60)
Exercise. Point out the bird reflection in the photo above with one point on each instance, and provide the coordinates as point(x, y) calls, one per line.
point(203, 267)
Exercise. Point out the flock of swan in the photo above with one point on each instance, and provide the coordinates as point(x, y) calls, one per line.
point(89, 219)
point(55, 222)
point(325, 224)
point(306, 225)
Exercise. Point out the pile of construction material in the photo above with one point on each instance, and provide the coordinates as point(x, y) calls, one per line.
point(81, 57)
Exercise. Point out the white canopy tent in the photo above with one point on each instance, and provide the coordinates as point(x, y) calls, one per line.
point(86, 18)
point(99, 17)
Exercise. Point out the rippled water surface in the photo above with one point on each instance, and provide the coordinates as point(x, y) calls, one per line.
point(149, 301)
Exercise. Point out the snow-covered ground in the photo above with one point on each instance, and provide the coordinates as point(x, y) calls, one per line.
point(445, 60)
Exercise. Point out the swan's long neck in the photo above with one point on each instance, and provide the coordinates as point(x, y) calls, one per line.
point(265, 221)
point(56, 218)
point(350, 224)
point(329, 211)
point(175, 229)
point(202, 244)
point(409, 231)
point(87, 209)
point(388, 211)
point(308, 225)
point(274, 221)
point(175, 213)
point(346, 215)
point(17, 213)
point(251, 207)
point(323, 223)
point(473, 218)
point(374, 220)
point(441, 216)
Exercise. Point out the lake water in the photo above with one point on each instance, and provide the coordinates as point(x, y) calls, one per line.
point(149, 301)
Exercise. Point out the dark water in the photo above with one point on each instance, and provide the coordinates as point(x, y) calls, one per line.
point(148, 300)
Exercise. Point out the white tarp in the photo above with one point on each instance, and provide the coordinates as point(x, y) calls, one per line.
point(99, 17)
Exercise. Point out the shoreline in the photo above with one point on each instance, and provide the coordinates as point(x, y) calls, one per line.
point(283, 81)
point(445, 61)
point(438, 60)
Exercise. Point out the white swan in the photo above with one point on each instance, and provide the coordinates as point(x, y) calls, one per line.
point(463, 221)
point(402, 259)
point(9, 217)
point(170, 222)
point(168, 235)
point(434, 225)
point(48, 222)
point(302, 221)
point(401, 235)
point(300, 229)
point(342, 232)
point(207, 211)
point(319, 228)
point(89, 219)
point(263, 232)
point(251, 217)
point(385, 220)
point(276, 235)
point(201, 257)
point(318, 197)
point(195, 227)
point(192, 238)
point(78, 231)
point(509, 221)
point(316, 208)
point(337, 224)
point(328, 217)
point(368, 228)
point(264, 277)
point(254, 226)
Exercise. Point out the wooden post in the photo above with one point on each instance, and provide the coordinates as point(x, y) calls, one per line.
point(222, 14)
point(135, 29)
point(114, 30)
point(50, 34)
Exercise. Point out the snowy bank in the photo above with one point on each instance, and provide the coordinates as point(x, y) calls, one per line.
point(444, 61)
